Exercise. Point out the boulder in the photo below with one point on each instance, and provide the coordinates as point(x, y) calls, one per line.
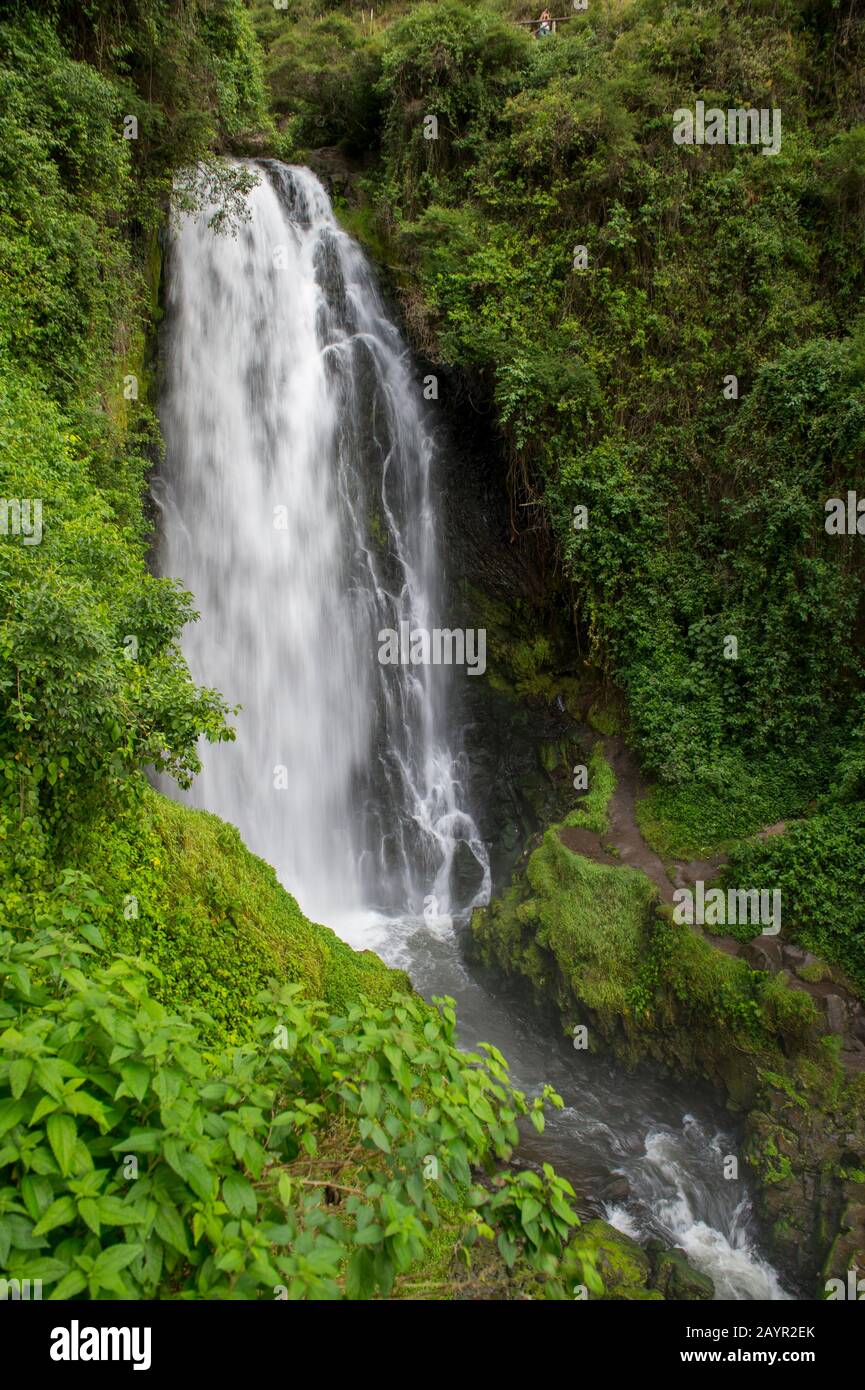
point(797, 956)
point(764, 953)
point(676, 1278)
point(618, 1189)
point(622, 1264)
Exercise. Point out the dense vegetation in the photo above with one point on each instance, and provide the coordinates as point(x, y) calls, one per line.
point(313, 1163)
point(201, 1092)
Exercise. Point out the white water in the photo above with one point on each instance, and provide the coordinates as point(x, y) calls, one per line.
point(298, 505)
point(298, 509)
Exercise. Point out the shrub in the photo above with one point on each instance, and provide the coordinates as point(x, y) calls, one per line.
point(137, 1164)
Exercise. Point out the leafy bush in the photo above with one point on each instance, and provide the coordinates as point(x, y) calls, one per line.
point(137, 1164)
point(82, 707)
point(322, 76)
point(819, 867)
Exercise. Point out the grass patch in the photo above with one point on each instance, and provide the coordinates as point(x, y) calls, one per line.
point(591, 813)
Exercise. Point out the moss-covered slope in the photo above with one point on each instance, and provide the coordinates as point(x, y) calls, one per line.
point(188, 894)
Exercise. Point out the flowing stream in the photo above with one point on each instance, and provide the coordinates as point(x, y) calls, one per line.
point(298, 504)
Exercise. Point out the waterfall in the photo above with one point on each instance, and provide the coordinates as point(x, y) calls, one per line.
point(299, 507)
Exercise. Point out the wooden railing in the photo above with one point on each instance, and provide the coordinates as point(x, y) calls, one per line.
point(560, 19)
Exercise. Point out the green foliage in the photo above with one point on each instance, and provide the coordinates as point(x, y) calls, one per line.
point(65, 174)
point(78, 714)
point(819, 867)
point(705, 514)
point(453, 61)
point(135, 1163)
point(321, 77)
point(92, 682)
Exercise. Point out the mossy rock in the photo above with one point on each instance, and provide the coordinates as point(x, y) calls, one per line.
point(622, 1264)
point(549, 755)
point(675, 1278)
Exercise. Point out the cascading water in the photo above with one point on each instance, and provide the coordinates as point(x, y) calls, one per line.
point(300, 513)
point(298, 504)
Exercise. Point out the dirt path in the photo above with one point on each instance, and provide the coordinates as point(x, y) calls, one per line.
point(623, 844)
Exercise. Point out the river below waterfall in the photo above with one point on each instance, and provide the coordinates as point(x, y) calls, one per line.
point(298, 504)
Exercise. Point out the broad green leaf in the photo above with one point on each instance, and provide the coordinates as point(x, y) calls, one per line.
point(62, 1136)
point(170, 1227)
point(63, 1212)
point(238, 1195)
point(19, 1076)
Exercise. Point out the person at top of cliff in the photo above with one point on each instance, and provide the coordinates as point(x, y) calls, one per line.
point(545, 25)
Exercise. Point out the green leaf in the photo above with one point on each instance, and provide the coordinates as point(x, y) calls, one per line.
point(369, 1235)
point(46, 1106)
point(73, 1283)
point(360, 1276)
point(19, 1075)
point(38, 1193)
point(39, 1267)
point(507, 1250)
point(379, 1138)
point(238, 1195)
point(115, 1258)
point(136, 1077)
point(88, 1210)
point(191, 1168)
point(141, 1141)
point(11, 1111)
point(113, 1211)
point(370, 1097)
point(530, 1209)
point(171, 1228)
point(80, 1103)
point(63, 1136)
point(60, 1213)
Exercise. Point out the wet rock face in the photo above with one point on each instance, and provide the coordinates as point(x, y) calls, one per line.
point(618, 1189)
point(466, 877)
point(836, 1014)
point(809, 1161)
point(513, 793)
